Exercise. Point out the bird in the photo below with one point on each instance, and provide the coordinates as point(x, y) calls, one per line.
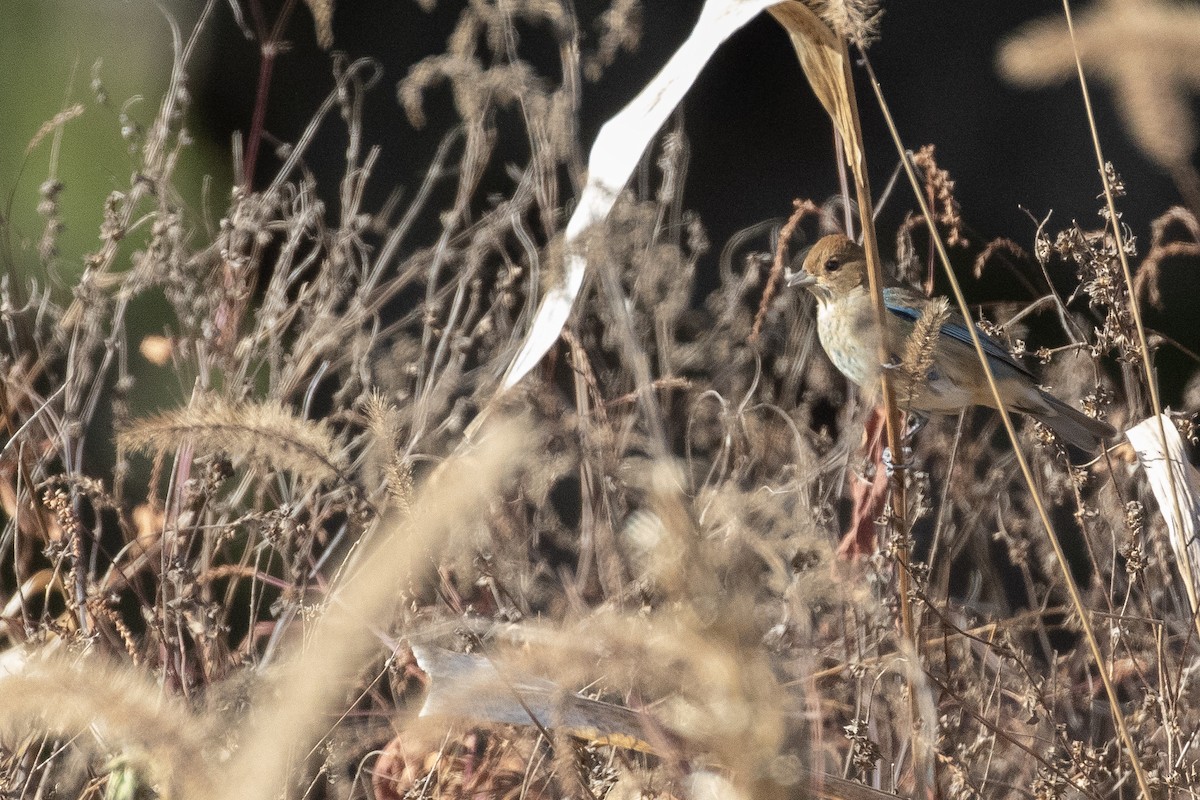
point(835, 271)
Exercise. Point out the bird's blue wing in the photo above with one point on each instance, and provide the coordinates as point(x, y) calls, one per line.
point(907, 306)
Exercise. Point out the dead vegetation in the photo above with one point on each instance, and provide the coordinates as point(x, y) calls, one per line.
point(222, 599)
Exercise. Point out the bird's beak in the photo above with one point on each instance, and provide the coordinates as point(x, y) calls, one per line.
point(799, 278)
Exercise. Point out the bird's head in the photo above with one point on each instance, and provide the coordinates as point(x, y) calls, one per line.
point(834, 267)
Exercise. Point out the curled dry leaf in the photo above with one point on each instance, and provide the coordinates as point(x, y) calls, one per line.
point(1165, 467)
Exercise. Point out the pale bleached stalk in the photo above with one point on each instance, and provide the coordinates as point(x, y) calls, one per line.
point(290, 710)
point(111, 707)
point(618, 148)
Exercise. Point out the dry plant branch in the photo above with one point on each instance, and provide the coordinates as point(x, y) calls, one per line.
point(156, 159)
point(1064, 565)
point(802, 208)
point(342, 640)
point(825, 59)
point(1114, 220)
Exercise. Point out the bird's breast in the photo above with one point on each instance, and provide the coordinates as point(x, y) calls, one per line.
point(848, 335)
point(850, 338)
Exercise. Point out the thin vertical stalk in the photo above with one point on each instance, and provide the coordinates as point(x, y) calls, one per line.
point(899, 516)
point(1135, 310)
point(1072, 587)
point(269, 49)
point(898, 519)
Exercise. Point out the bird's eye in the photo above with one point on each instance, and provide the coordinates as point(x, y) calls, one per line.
point(832, 265)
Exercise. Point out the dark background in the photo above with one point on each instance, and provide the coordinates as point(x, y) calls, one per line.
point(758, 137)
point(757, 134)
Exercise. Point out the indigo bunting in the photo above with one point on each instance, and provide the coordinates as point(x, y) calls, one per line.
point(835, 271)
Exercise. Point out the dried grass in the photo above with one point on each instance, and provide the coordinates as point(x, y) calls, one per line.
point(651, 519)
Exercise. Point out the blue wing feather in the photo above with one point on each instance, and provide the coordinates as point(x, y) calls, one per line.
point(907, 306)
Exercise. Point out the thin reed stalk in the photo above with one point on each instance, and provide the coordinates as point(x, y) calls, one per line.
point(1135, 309)
point(1081, 610)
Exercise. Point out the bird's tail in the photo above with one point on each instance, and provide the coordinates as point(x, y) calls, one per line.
point(1072, 425)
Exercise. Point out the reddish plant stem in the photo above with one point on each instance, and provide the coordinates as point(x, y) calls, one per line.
point(269, 49)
